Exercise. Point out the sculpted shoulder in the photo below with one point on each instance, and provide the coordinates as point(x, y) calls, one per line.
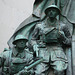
point(6, 53)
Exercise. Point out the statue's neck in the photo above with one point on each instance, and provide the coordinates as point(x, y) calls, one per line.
point(51, 21)
point(20, 50)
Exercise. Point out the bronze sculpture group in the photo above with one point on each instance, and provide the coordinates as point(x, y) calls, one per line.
point(41, 50)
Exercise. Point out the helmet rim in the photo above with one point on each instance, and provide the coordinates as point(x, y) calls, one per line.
point(19, 37)
point(50, 7)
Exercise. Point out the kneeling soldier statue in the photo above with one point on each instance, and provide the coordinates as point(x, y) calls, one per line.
point(13, 62)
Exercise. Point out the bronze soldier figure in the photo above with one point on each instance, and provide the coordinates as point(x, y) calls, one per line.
point(17, 59)
point(49, 36)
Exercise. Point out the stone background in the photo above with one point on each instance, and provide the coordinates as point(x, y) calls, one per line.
point(12, 13)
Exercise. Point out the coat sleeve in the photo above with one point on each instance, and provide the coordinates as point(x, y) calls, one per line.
point(68, 35)
point(35, 34)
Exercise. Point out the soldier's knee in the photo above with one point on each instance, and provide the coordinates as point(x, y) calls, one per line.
point(58, 72)
point(60, 66)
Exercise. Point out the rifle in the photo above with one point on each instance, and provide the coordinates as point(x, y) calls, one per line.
point(27, 68)
point(34, 64)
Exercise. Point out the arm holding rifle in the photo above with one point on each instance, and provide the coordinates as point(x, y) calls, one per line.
point(27, 70)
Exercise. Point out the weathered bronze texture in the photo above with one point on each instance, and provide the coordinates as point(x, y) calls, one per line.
point(47, 40)
point(43, 44)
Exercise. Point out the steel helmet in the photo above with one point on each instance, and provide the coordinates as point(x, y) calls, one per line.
point(20, 37)
point(51, 6)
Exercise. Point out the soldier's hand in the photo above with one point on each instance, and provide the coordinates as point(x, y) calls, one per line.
point(61, 34)
point(35, 47)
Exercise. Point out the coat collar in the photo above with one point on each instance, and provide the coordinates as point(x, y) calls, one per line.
point(15, 53)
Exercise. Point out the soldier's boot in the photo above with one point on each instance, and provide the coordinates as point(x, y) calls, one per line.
point(59, 73)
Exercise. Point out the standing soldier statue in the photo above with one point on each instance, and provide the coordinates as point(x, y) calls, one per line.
point(49, 37)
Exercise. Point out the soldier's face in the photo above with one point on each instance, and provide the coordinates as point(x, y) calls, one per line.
point(52, 13)
point(21, 44)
